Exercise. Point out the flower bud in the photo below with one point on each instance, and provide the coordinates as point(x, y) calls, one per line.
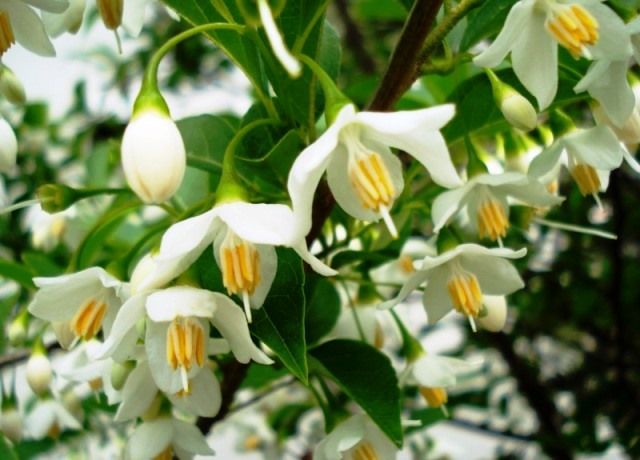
point(119, 374)
point(8, 146)
point(514, 106)
point(11, 424)
point(18, 331)
point(494, 315)
point(153, 156)
point(72, 402)
point(56, 197)
point(39, 372)
point(11, 87)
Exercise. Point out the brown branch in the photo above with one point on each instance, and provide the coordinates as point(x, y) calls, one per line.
point(354, 39)
point(404, 64)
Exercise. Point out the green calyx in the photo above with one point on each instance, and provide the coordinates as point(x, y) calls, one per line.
point(334, 99)
point(150, 99)
point(500, 89)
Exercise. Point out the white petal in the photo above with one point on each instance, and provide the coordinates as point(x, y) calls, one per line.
point(496, 276)
point(205, 397)
point(535, 60)
point(614, 93)
point(546, 161)
point(39, 421)
point(613, 38)
point(138, 393)
point(596, 146)
point(128, 315)
point(28, 29)
point(278, 46)
point(167, 304)
point(346, 435)
point(69, 21)
point(52, 6)
point(382, 445)
point(189, 438)
point(272, 224)
point(519, 15)
point(181, 246)
point(496, 316)
point(380, 125)
point(532, 193)
point(307, 170)
point(232, 324)
point(441, 371)
point(150, 439)
point(133, 16)
point(415, 280)
point(630, 159)
point(268, 269)
point(316, 264)
point(447, 204)
point(435, 298)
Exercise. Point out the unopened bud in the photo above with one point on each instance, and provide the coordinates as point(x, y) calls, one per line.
point(11, 87)
point(8, 146)
point(18, 330)
point(153, 156)
point(39, 373)
point(119, 374)
point(56, 197)
point(516, 108)
point(111, 12)
point(494, 313)
point(11, 424)
point(72, 402)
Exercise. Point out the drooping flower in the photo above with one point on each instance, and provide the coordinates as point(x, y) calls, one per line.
point(50, 418)
point(163, 437)
point(629, 131)
point(589, 154)
point(364, 176)
point(534, 28)
point(486, 197)
point(87, 300)
point(458, 278)
point(69, 21)
point(357, 438)
point(18, 22)
point(243, 236)
point(177, 332)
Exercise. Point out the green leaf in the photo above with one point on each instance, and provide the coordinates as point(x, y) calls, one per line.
point(280, 321)
point(323, 307)
point(17, 273)
point(487, 20)
point(6, 451)
point(41, 264)
point(259, 376)
point(367, 377)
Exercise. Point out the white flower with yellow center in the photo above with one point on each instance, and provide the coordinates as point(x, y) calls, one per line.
point(357, 438)
point(534, 28)
point(589, 155)
point(49, 418)
point(164, 437)
point(433, 374)
point(486, 198)
point(364, 176)
point(177, 332)
point(87, 301)
point(19, 22)
point(243, 236)
point(458, 279)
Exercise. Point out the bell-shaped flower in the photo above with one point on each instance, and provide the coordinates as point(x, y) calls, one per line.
point(177, 332)
point(19, 22)
point(486, 198)
point(165, 437)
point(458, 278)
point(243, 236)
point(364, 176)
point(534, 28)
point(433, 374)
point(589, 154)
point(357, 438)
point(49, 418)
point(357, 321)
point(629, 131)
point(87, 300)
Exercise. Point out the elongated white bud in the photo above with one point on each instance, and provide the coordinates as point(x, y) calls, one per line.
point(11, 424)
point(153, 156)
point(518, 111)
point(39, 373)
point(496, 313)
point(8, 146)
point(11, 87)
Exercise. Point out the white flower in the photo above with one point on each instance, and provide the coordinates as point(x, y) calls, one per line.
point(607, 82)
point(162, 437)
point(629, 131)
point(357, 438)
point(177, 332)
point(485, 198)
point(633, 28)
point(153, 156)
point(364, 176)
point(290, 63)
point(533, 29)
point(49, 418)
point(87, 300)
point(18, 22)
point(348, 327)
point(69, 21)
point(243, 236)
point(433, 373)
point(8, 147)
point(39, 373)
point(589, 154)
point(458, 279)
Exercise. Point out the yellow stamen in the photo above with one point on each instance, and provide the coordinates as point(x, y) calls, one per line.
point(252, 442)
point(573, 27)
point(88, 319)
point(185, 346)
point(587, 179)
point(492, 220)
point(6, 33)
point(166, 454)
point(364, 451)
point(370, 179)
point(435, 397)
point(465, 293)
point(378, 336)
point(111, 12)
point(54, 430)
point(406, 264)
point(240, 262)
point(95, 384)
